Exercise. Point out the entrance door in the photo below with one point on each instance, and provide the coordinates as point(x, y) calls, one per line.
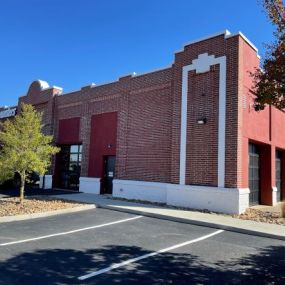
point(254, 175)
point(69, 166)
point(109, 173)
point(278, 174)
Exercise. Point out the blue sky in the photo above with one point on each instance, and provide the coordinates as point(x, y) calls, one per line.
point(71, 43)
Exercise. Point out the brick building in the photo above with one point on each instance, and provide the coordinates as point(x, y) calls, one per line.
point(185, 135)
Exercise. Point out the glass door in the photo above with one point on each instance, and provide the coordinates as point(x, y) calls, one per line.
point(74, 167)
point(70, 166)
point(109, 173)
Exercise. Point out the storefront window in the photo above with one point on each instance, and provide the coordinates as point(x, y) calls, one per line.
point(70, 160)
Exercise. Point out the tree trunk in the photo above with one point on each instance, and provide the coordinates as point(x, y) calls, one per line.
point(22, 187)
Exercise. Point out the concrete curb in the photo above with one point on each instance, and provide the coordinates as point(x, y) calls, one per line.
point(194, 222)
point(8, 219)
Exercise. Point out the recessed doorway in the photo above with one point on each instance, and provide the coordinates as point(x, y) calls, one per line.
point(254, 175)
point(109, 174)
point(69, 166)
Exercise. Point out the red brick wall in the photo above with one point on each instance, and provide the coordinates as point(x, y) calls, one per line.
point(143, 106)
point(148, 109)
point(148, 136)
point(43, 101)
point(217, 46)
point(202, 140)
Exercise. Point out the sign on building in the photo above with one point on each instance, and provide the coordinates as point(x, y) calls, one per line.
point(8, 113)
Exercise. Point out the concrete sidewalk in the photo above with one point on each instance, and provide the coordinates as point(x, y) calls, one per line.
point(191, 217)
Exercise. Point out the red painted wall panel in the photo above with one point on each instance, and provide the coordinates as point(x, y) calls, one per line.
point(277, 128)
point(255, 124)
point(68, 131)
point(103, 139)
point(267, 175)
point(265, 128)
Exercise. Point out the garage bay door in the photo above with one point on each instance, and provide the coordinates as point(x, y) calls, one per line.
point(254, 175)
point(278, 175)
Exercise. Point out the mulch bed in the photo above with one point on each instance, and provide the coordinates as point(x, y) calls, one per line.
point(262, 216)
point(12, 207)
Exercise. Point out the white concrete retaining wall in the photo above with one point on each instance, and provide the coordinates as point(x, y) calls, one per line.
point(274, 196)
point(225, 200)
point(89, 185)
point(139, 190)
point(41, 181)
point(46, 182)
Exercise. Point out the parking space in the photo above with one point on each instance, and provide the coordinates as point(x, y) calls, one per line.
point(82, 248)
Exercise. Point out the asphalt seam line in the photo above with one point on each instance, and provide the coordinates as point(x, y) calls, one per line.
point(70, 232)
point(133, 260)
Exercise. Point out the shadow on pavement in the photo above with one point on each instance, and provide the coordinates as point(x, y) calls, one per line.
point(63, 266)
point(33, 191)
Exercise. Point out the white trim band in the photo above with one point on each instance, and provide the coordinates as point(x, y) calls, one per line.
point(227, 34)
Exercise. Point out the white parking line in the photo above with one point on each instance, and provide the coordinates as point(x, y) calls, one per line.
point(71, 232)
point(117, 265)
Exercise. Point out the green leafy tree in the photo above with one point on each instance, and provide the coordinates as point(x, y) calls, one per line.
point(269, 80)
point(24, 148)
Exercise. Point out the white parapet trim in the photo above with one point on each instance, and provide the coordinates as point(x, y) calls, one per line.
point(46, 181)
point(89, 185)
point(218, 199)
point(140, 190)
point(274, 196)
point(226, 33)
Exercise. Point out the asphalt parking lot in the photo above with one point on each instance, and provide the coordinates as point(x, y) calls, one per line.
point(107, 247)
point(32, 191)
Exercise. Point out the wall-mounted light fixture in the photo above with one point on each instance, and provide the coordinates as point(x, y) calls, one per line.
point(109, 145)
point(202, 121)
